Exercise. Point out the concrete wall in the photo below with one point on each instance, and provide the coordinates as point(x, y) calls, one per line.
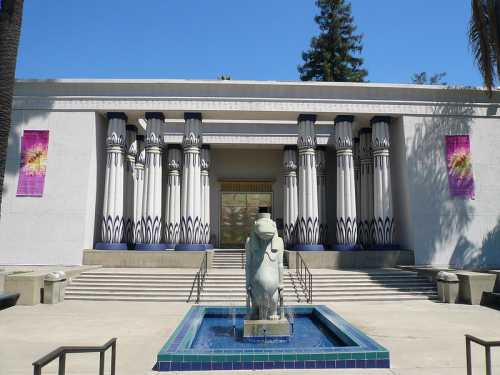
point(448, 230)
point(244, 164)
point(52, 229)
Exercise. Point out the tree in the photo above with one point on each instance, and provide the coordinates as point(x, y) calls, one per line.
point(484, 39)
point(11, 13)
point(422, 79)
point(334, 54)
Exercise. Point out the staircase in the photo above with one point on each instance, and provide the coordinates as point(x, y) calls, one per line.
point(146, 285)
point(229, 259)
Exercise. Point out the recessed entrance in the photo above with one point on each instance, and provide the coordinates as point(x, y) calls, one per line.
point(240, 202)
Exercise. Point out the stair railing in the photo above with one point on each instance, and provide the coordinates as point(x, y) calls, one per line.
point(304, 275)
point(63, 350)
point(199, 280)
point(487, 351)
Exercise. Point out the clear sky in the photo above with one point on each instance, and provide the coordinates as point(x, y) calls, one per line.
point(258, 39)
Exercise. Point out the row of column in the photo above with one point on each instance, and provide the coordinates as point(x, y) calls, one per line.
point(364, 215)
point(133, 216)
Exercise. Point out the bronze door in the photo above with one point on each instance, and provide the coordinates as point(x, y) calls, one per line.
point(238, 212)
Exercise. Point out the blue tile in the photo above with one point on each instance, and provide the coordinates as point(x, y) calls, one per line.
point(300, 364)
point(205, 366)
point(330, 364)
point(176, 366)
point(320, 364)
point(350, 363)
point(383, 363)
point(196, 366)
point(185, 366)
point(289, 364)
point(310, 364)
point(279, 364)
point(227, 365)
point(164, 366)
point(340, 363)
point(237, 365)
point(360, 363)
point(258, 365)
point(268, 365)
point(371, 363)
point(247, 365)
point(216, 365)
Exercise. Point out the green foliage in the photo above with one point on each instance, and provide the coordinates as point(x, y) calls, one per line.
point(334, 55)
point(421, 78)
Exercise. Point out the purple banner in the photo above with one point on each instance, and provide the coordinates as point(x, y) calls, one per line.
point(458, 156)
point(34, 149)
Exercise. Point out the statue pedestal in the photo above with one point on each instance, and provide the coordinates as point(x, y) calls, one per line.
point(266, 328)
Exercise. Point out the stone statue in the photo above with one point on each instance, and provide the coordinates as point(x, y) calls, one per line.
point(264, 270)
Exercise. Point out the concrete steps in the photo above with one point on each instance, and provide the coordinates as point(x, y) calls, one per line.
point(229, 259)
point(228, 286)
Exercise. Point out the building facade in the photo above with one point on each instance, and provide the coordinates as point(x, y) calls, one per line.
point(185, 165)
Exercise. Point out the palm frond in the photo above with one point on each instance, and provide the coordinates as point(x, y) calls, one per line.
point(494, 36)
point(479, 42)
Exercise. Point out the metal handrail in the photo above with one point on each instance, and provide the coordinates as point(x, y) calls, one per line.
point(304, 275)
point(199, 279)
point(487, 351)
point(63, 350)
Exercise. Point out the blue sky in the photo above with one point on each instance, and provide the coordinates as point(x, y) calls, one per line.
point(258, 39)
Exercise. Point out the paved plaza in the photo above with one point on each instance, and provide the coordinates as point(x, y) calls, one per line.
point(423, 337)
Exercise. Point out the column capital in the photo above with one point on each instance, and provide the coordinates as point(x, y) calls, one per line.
point(343, 132)
point(306, 134)
point(174, 157)
point(290, 158)
point(117, 115)
point(192, 130)
point(380, 133)
point(365, 144)
point(131, 145)
point(154, 115)
point(205, 158)
point(141, 156)
point(321, 160)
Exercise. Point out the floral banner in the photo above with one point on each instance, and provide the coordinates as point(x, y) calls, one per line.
point(458, 156)
point(34, 149)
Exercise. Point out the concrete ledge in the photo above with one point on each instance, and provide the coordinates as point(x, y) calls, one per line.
point(352, 259)
point(146, 259)
point(29, 284)
point(473, 284)
point(496, 288)
point(426, 271)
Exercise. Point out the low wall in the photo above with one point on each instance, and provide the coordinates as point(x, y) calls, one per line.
point(146, 259)
point(353, 259)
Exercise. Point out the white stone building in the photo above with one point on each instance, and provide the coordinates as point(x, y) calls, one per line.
point(186, 164)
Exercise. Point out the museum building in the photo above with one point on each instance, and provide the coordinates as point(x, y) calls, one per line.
point(185, 165)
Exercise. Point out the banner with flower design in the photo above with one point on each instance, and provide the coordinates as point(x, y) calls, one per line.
point(458, 156)
point(34, 149)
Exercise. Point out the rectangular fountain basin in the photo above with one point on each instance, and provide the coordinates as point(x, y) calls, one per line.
point(206, 340)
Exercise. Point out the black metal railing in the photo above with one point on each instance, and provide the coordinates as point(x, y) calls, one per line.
point(63, 350)
point(487, 350)
point(199, 280)
point(304, 275)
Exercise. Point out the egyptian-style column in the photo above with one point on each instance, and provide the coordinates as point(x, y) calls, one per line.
point(172, 225)
point(191, 232)
point(346, 191)
point(290, 203)
point(357, 180)
point(307, 222)
point(205, 195)
point(151, 200)
point(365, 221)
point(128, 188)
point(321, 181)
point(383, 223)
point(112, 218)
point(139, 189)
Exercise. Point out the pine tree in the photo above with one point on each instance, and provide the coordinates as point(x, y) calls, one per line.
point(334, 53)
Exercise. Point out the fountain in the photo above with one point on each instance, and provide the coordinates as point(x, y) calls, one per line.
point(265, 334)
